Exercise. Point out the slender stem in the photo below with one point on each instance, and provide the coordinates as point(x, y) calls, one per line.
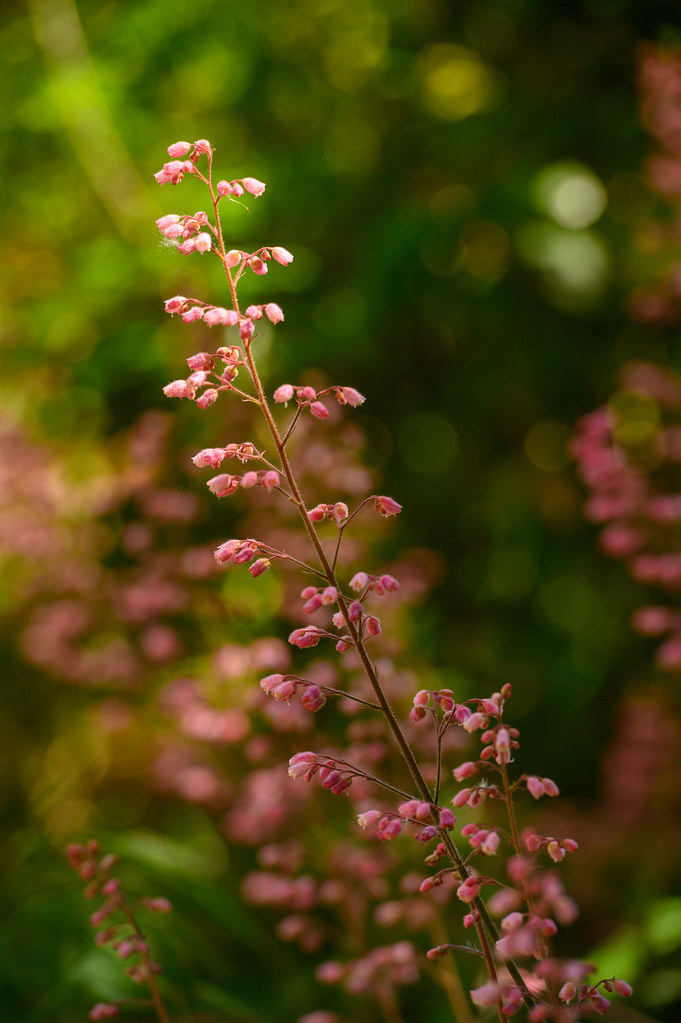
point(355, 635)
point(156, 998)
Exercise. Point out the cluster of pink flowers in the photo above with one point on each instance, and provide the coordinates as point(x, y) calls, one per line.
point(121, 931)
point(628, 466)
point(530, 900)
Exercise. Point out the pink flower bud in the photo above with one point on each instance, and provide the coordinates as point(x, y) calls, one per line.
point(273, 312)
point(203, 146)
point(282, 256)
point(373, 626)
point(473, 722)
point(386, 506)
point(253, 186)
point(359, 581)
point(284, 393)
point(249, 479)
point(313, 698)
point(179, 149)
point(257, 265)
point(186, 248)
point(349, 396)
point(174, 304)
point(622, 988)
point(550, 787)
point(208, 398)
point(270, 682)
point(567, 992)
point(318, 513)
point(233, 258)
point(168, 221)
point(254, 312)
point(177, 389)
point(246, 330)
point(284, 691)
point(469, 890)
point(224, 188)
point(389, 583)
point(490, 844)
point(217, 316)
point(270, 479)
point(245, 553)
point(236, 188)
point(447, 818)
point(203, 242)
point(223, 485)
point(535, 787)
point(368, 817)
point(306, 637)
point(465, 770)
point(103, 1010)
point(340, 513)
point(259, 567)
point(193, 314)
point(319, 409)
point(226, 551)
point(202, 360)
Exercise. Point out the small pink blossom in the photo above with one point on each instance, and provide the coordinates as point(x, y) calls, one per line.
point(208, 398)
point(306, 637)
point(232, 259)
point(168, 221)
point(257, 265)
point(216, 316)
point(179, 149)
point(284, 393)
point(273, 312)
point(174, 304)
point(349, 396)
point(313, 699)
point(465, 770)
point(318, 409)
point(386, 506)
point(103, 1010)
point(281, 255)
point(203, 242)
point(253, 186)
point(223, 485)
point(270, 479)
point(177, 389)
point(193, 314)
point(224, 188)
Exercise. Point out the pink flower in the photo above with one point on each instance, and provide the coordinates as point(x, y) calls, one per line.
point(223, 485)
point(273, 312)
point(465, 770)
point(535, 787)
point(233, 258)
point(313, 698)
point(253, 186)
point(179, 149)
point(193, 314)
point(257, 265)
point(282, 256)
point(203, 146)
point(349, 396)
point(284, 393)
point(270, 479)
point(318, 409)
point(249, 479)
point(202, 360)
point(486, 995)
point(103, 1010)
point(207, 398)
point(386, 506)
point(173, 305)
point(177, 389)
point(203, 242)
point(164, 222)
point(215, 316)
point(224, 188)
point(309, 636)
point(226, 551)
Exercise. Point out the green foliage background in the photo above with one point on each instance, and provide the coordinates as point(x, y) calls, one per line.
point(407, 146)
